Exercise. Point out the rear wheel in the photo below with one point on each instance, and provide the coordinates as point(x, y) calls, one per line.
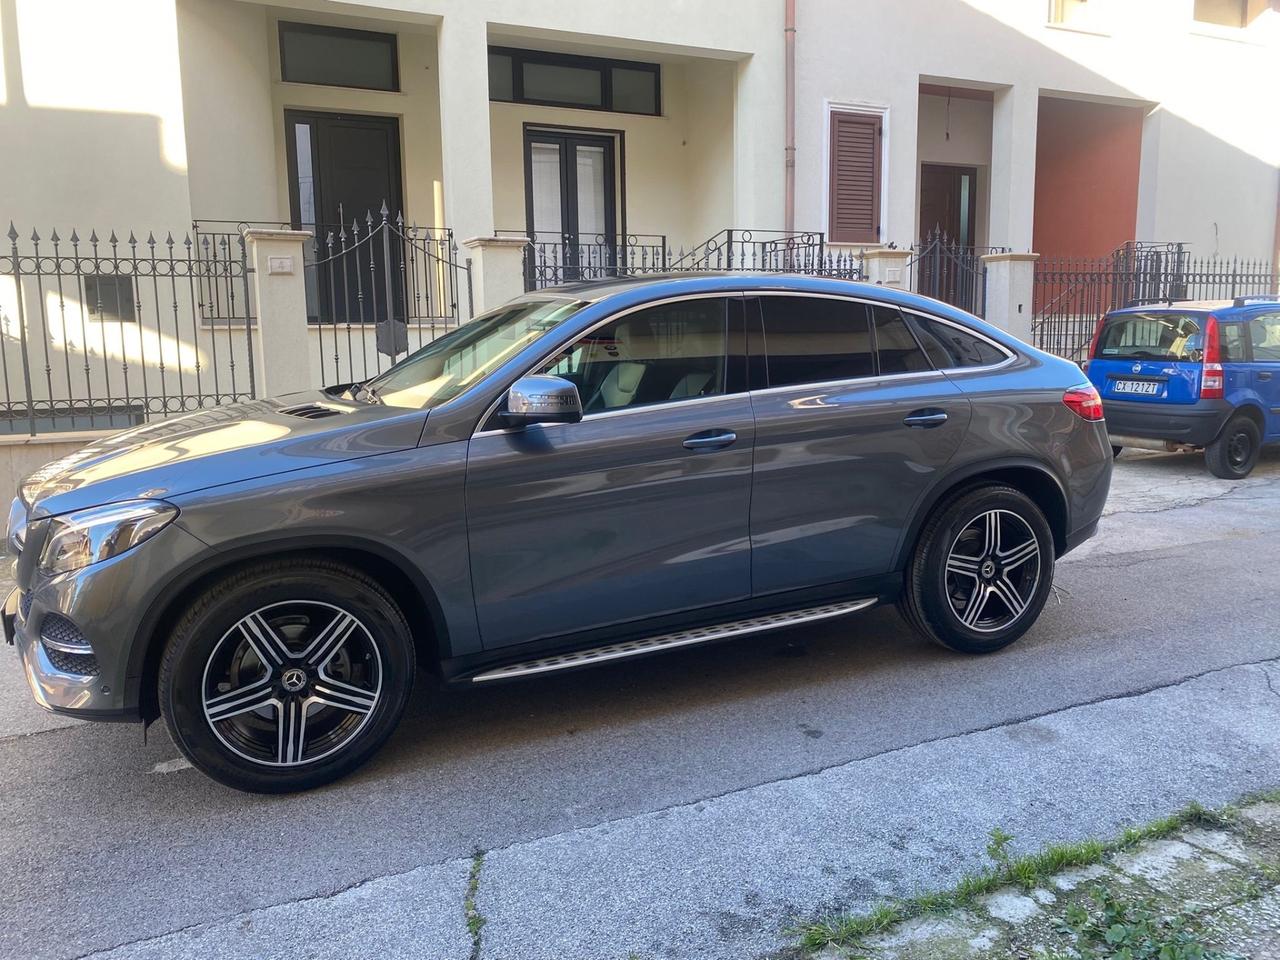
point(981, 571)
point(286, 675)
point(1234, 453)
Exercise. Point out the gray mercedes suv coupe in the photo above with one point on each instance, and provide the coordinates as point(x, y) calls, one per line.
point(586, 474)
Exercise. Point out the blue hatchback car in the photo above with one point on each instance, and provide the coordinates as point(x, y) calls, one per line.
point(1192, 375)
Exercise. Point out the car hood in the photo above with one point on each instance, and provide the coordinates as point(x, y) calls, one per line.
point(238, 442)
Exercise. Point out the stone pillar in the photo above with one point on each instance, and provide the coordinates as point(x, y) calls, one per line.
point(1010, 282)
point(888, 268)
point(465, 146)
point(282, 357)
point(497, 270)
point(1014, 116)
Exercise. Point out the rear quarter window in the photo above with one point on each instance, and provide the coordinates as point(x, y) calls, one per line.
point(949, 347)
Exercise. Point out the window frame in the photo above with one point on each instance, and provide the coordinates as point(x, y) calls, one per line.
point(869, 109)
point(321, 29)
point(603, 65)
point(1009, 354)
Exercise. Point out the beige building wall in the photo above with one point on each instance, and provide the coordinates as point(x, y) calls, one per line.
point(1212, 181)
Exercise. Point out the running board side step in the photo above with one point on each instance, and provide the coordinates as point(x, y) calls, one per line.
point(669, 641)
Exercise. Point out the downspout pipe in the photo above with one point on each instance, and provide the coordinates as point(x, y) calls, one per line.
point(789, 42)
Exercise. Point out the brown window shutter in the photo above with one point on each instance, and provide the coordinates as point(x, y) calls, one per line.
point(854, 190)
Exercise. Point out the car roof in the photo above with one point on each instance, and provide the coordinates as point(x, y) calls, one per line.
point(1223, 309)
point(657, 286)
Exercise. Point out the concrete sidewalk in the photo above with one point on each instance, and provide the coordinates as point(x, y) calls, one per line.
point(723, 878)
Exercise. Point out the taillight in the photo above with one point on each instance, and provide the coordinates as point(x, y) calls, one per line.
point(1212, 382)
point(1084, 402)
point(1093, 344)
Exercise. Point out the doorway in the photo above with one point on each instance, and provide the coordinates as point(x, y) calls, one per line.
point(949, 203)
point(571, 200)
point(342, 168)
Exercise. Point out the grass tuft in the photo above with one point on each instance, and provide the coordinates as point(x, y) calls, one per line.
point(1026, 872)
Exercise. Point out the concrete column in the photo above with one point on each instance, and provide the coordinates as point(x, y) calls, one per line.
point(497, 270)
point(1015, 115)
point(281, 354)
point(1010, 282)
point(759, 135)
point(888, 267)
point(464, 123)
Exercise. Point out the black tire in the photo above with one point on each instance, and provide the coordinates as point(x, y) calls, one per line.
point(354, 698)
point(934, 599)
point(1233, 455)
point(1116, 451)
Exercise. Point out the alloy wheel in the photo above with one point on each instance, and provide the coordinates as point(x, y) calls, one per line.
point(292, 683)
point(992, 571)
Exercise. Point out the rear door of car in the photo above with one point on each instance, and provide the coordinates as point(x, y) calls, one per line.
point(1264, 366)
point(1149, 357)
point(846, 442)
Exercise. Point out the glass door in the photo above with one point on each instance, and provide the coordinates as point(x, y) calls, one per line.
point(571, 203)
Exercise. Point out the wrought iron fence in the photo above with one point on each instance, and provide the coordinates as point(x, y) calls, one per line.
point(380, 288)
point(552, 259)
point(947, 270)
point(1072, 293)
point(111, 333)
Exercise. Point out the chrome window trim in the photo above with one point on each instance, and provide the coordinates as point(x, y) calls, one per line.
point(851, 382)
point(493, 407)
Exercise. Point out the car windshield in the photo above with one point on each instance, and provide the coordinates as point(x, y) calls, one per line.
point(445, 367)
point(1150, 336)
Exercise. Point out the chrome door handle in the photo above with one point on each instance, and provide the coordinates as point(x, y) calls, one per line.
point(926, 418)
point(1264, 375)
point(710, 440)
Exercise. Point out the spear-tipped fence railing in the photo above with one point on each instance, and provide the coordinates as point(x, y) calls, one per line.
point(100, 333)
point(1071, 293)
point(379, 288)
point(951, 271)
point(552, 259)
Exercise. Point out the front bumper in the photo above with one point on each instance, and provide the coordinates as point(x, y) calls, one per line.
point(1195, 424)
point(108, 603)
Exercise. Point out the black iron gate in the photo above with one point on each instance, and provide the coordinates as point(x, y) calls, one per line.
point(952, 272)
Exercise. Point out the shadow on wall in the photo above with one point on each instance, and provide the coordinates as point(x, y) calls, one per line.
point(60, 158)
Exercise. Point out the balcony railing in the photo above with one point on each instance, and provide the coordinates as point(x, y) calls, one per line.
point(552, 259)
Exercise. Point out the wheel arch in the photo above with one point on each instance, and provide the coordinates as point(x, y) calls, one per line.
point(1255, 413)
point(1034, 479)
point(408, 588)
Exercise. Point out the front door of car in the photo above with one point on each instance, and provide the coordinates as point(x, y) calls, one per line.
point(637, 511)
point(847, 441)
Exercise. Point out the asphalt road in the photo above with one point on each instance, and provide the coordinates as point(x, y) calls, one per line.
point(684, 797)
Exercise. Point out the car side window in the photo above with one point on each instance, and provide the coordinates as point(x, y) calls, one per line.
point(896, 349)
point(1264, 332)
point(949, 347)
point(674, 351)
point(815, 339)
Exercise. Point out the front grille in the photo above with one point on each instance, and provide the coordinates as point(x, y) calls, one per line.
point(57, 631)
point(85, 664)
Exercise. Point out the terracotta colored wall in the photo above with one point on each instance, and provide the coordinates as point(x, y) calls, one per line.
point(1086, 177)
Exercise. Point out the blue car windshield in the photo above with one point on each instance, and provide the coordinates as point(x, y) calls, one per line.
point(450, 364)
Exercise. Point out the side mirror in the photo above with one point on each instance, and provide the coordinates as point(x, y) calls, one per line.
point(541, 399)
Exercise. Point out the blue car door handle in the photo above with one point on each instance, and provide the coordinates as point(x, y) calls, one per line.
point(1264, 375)
point(710, 440)
point(925, 419)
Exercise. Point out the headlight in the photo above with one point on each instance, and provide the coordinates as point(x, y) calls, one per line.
point(78, 539)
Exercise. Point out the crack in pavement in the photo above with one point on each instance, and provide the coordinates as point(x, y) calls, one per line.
point(816, 771)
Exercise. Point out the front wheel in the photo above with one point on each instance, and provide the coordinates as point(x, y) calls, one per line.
point(1234, 453)
point(286, 675)
point(981, 571)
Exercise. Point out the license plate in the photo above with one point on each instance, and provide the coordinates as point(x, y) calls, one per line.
point(1145, 387)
